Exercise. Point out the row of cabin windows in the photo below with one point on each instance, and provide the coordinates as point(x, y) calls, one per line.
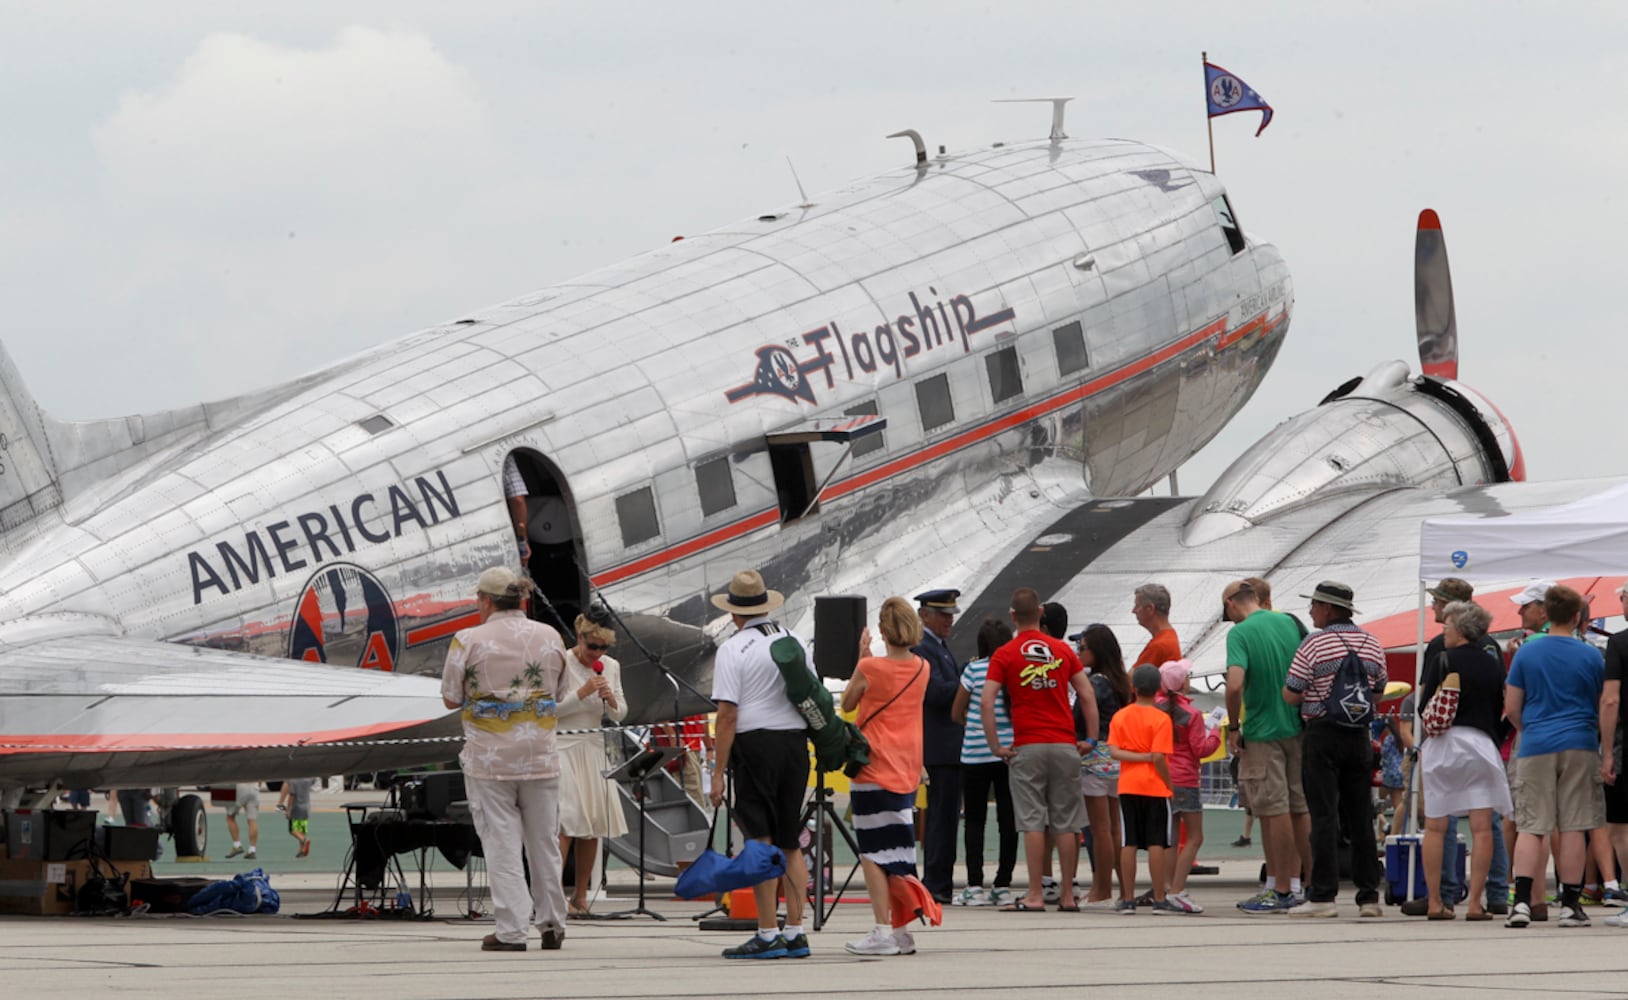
point(636, 511)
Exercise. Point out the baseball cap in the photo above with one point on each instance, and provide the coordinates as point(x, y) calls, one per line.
point(1532, 594)
point(1174, 673)
point(498, 582)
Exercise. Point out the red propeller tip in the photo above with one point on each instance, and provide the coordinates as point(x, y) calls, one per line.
point(1429, 220)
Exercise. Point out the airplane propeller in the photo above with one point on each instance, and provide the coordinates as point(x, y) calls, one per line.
point(1433, 300)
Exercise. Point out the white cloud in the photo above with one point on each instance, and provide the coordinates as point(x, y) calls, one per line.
point(249, 130)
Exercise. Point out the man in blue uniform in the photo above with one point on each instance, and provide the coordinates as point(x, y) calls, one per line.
point(941, 742)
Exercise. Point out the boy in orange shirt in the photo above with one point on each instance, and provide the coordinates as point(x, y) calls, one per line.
point(1140, 737)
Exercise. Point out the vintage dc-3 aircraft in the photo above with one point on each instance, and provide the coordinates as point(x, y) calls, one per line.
point(885, 387)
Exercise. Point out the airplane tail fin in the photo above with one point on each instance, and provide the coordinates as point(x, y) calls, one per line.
point(28, 476)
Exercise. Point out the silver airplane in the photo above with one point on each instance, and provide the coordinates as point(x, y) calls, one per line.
point(880, 389)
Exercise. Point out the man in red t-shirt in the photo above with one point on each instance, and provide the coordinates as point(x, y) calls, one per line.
point(1036, 672)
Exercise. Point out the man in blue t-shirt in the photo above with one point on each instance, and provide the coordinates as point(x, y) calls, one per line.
point(1553, 699)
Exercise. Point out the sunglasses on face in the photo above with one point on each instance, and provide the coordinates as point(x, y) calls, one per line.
point(598, 647)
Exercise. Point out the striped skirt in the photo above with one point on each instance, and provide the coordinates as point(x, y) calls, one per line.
point(884, 825)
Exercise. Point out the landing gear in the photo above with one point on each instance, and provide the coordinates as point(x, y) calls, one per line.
point(189, 825)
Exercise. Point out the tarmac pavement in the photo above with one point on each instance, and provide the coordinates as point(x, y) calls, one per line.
point(977, 952)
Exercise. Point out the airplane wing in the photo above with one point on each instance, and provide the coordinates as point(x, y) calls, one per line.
point(1369, 540)
point(94, 709)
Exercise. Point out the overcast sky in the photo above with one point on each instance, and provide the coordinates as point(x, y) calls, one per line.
point(201, 199)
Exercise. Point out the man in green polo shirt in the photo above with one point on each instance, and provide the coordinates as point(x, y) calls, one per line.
point(1259, 648)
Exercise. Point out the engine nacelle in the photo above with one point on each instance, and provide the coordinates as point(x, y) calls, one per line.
point(1383, 431)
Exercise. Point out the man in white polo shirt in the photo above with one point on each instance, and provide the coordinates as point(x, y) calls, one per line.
point(762, 745)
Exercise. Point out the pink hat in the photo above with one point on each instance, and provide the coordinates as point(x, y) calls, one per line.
point(1174, 673)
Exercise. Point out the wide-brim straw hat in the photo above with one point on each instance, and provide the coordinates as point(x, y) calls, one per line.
point(747, 595)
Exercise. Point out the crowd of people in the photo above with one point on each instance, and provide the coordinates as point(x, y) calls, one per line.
point(1075, 741)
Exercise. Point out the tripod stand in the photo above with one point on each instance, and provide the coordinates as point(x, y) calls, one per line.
point(635, 770)
point(820, 808)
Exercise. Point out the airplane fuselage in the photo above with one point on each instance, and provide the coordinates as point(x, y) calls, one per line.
point(1036, 324)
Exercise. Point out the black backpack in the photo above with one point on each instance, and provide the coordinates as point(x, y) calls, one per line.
point(1350, 701)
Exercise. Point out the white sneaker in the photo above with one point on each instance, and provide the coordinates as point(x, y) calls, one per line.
point(1050, 891)
point(877, 942)
point(1000, 896)
point(972, 895)
point(1184, 902)
point(1620, 920)
point(905, 941)
point(1311, 909)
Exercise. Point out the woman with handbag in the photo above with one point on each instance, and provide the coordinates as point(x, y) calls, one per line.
point(887, 692)
point(1463, 773)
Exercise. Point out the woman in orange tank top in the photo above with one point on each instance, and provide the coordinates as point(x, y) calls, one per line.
point(887, 692)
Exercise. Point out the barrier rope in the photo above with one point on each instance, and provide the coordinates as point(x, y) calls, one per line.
point(300, 745)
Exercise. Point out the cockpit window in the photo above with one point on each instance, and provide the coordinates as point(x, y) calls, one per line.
point(1229, 223)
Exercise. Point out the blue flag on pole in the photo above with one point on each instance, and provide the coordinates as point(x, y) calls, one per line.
point(1226, 94)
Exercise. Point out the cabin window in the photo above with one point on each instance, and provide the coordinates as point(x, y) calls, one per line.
point(1005, 381)
point(1229, 223)
point(870, 442)
point(637, 513)
point(1069, 340)
point(376, 424)
point(715, 484)
point(933, 400)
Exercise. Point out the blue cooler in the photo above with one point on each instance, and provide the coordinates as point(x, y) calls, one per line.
point(1404, 868)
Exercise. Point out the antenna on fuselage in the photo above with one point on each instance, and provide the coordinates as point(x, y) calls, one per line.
point(915, 137)
point(1056, 111)
point(805, 203)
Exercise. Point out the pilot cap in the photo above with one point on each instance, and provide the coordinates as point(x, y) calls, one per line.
point(1533, 594)
point(499, 581)
point(939, 600)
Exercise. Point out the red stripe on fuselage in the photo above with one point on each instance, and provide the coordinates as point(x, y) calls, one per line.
point(965, 439)
point(440, 630)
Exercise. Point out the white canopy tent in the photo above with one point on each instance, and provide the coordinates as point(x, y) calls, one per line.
point(1587, 537)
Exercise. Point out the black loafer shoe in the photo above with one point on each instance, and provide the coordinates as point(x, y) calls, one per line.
point(553, 938)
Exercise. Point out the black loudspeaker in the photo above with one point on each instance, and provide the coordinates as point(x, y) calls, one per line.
point(838, 621)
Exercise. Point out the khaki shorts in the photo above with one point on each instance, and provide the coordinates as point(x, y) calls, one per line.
point(1269, 777)
point(1559, 791)
point(1045, 780)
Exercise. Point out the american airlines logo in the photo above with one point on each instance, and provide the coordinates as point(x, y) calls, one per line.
point(927, 326)
point(297, 541)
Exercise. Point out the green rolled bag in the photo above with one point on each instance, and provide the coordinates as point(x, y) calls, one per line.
point(838, 743)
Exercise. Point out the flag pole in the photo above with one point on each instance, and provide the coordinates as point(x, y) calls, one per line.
point(1209, 123)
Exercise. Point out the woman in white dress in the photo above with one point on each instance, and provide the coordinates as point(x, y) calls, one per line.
point(590, 807)
point(1463, 774)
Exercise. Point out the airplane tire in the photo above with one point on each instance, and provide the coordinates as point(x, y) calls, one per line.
point(189, 825)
